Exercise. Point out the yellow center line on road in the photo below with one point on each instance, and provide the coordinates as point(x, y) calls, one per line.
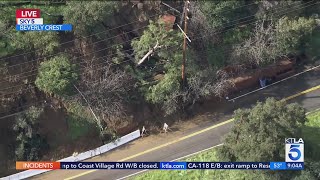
point(191, 135)
point(301, 93)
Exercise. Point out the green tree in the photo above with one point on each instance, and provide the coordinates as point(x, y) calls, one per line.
point(29, 142)
point(166, 61)
point(258, 133)
point(276, 9)
point(236, 35)
point(44, 43)
point(312, 47)
point(157, 32)
point(167, 92)
point(269, 42)
point(215, 55)
point(93, 15)
point(6, 47)
point(292, 34)
point(221, 13)
point(56, 76)
point(310, 172)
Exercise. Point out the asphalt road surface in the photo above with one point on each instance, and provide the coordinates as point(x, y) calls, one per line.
point(199, 139)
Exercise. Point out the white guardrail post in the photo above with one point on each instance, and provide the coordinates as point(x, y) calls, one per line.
point(82, 156)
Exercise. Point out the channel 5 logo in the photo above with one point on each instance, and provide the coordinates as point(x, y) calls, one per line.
point(294, 150)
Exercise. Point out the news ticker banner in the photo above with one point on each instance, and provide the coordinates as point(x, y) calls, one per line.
point(44, 27)
point(30, 20)
point(163, 165)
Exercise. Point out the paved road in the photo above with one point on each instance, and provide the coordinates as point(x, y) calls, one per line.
point(207, 138)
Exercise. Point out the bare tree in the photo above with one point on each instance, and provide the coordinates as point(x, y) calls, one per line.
point(108, 96)
point(208, 83)
point(199, 26)
point(272, 8)
point(260, 48)
point(202, 85)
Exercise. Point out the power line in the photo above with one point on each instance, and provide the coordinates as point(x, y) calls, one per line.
point(197, 38)
point(74, 58)
point(194, 39)
point(42, 101)
point(99, 64)
point(79, 63)
point(27, 62)
point(84, 36)
point(78, 56)
point(13, 114)
point(238, 7)
point(146, 26)
point(294, 9)
point(246, 94)
point(104, 40)
point(83, 73)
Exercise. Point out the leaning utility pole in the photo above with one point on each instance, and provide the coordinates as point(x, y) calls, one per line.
point(186, 10)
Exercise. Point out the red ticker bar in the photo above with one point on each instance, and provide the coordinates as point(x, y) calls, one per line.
point(28, 13)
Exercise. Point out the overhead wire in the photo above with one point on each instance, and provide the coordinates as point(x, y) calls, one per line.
point(42, 58)
point(105, 40)
point(195, 38)
point(102, 67)
point(117, 27)
point(132, 48)
point(114, 45)
point(30, 83)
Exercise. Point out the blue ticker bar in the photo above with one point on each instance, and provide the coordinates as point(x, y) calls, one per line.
point(278, 165)
point(228, 165)
point(173, 165)
point(185, 165)
point(44, 27)
point(295, 165)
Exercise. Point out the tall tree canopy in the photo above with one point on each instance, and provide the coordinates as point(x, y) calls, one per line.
point(263, 127)
point(56, 76)
point(86, 16)
point(220, 14)
point(259, 133)
point(41, 43)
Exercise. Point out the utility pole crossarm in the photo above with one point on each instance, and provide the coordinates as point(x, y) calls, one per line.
point(171, 7)
point(149, 53)
point(183, 33)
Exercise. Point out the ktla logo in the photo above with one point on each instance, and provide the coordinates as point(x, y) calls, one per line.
point(294, 150)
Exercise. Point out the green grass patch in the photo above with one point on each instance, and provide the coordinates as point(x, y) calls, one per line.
point(311, 133)
point(313, 119)
point(80, 122)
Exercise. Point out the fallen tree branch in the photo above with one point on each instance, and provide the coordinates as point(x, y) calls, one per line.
point(149, 53)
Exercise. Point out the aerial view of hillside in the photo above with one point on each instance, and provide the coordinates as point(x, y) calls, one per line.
point(160, 81)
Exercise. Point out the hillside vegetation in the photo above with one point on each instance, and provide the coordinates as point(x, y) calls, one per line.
point(87, 84)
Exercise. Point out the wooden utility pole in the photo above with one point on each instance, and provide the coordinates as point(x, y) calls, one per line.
point(186, 10)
